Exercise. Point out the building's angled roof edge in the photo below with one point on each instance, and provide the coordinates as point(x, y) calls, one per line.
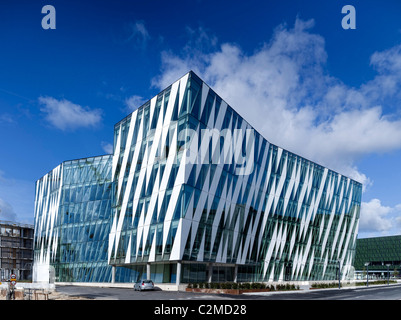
point(160, 92)
point(83, 158)
point(243, 118)
point(379, 237)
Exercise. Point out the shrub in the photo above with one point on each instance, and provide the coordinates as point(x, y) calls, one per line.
point(327, 285)
point(374, 282)
point(291, 286)
point(224, 286)
point(285, 287)
point(245, 285)
point(254, 285)
point(214, 285)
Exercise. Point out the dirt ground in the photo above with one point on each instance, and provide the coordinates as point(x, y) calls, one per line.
point(54, 295)
point(48, 295)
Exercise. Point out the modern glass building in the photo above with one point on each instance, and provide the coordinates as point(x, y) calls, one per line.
point(377, 256)
point(196, 194)
point(72, 222)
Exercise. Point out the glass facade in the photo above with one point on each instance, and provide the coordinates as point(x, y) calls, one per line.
point(84, 220)
point(179, 199)
point(193, 193)
point(72, 220)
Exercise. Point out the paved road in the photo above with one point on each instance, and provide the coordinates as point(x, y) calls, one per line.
point(392, 292)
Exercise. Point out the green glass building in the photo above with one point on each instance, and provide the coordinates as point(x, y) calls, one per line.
point(377, 256)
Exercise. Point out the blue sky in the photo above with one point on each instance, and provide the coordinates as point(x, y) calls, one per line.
point(288, 67)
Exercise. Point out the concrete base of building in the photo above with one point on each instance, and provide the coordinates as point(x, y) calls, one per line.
point(183, 286)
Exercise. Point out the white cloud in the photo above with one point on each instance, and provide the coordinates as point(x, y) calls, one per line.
point(377, 218)
point(107, 147)
point(6, 118)
point(6, 211)
point(66, 115)
point(16, 199)
point(134, 102)
point(284, 92)
point(139, 35)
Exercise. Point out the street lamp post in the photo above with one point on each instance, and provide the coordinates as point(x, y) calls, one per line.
point(367, 273)
point(339, 274)
point(388, 273)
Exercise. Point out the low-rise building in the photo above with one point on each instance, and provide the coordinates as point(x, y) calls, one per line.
point(16, 250)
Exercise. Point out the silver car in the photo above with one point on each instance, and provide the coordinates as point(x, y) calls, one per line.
point(144, 285)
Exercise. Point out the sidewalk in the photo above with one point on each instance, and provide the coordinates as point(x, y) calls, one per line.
point(307, 289)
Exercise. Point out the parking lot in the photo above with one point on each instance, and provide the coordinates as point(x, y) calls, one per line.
point(103, 293)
